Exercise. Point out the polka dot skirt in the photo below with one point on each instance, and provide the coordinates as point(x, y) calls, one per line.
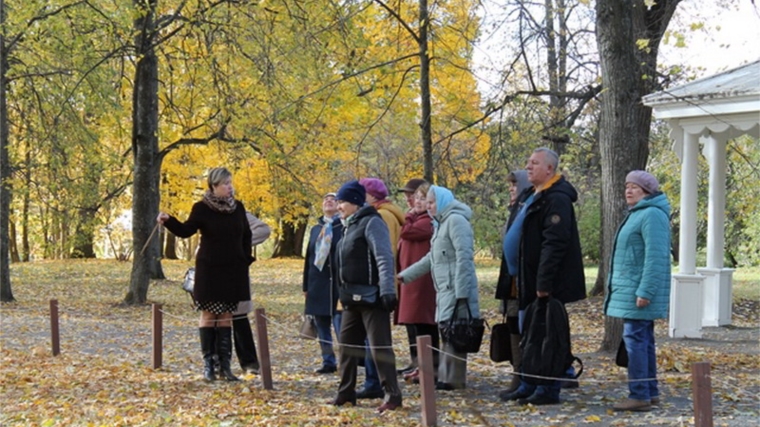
point(216, 307)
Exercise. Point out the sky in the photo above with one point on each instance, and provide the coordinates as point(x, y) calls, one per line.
point(729, 37)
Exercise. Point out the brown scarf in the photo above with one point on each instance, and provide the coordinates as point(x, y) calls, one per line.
point(220, 204)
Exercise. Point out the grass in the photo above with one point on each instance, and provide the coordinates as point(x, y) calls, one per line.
point(746, 280)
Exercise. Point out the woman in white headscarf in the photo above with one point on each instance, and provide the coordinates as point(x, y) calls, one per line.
point(452, 265)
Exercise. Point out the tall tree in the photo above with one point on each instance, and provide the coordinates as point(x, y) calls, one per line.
point(6, 293)
point(145, 153)
point(628, 36)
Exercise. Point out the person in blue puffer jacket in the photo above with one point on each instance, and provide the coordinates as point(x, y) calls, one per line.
point(638, 288)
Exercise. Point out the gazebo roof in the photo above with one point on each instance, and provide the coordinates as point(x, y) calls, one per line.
point(726, 104)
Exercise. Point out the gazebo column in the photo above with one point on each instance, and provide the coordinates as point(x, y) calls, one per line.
point(686, 294)
point(718, 280)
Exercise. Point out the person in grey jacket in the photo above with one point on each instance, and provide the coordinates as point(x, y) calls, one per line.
point(368, 294)
point(452, 265)
point(638, 289)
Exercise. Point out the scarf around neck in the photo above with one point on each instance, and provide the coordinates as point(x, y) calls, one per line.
point(220, 204)
point(324, 242)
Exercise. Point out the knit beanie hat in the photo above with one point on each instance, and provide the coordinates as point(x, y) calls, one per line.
point(352, 192)
point(643, 179)
point(375, 187)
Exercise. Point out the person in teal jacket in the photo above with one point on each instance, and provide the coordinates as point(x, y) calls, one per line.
point(638, 288)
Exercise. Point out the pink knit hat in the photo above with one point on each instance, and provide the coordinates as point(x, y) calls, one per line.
point(643, 179)
point(375, 187)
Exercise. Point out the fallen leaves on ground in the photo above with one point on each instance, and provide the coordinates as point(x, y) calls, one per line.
point(103, 376)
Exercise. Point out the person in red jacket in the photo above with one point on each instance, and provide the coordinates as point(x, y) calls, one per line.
point(417, 298)
point(221, 266)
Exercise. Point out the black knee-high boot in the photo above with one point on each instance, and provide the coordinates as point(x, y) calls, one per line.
point(245, 346)
point(224, 351)
point(208, 349)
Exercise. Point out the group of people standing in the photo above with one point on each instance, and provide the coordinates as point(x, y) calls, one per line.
point(414, 265)
point(542, 259)
point(374, 260)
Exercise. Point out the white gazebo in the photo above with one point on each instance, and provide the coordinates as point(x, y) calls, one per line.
point(709, 111)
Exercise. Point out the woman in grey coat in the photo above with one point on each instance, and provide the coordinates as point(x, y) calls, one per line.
point(452, 265)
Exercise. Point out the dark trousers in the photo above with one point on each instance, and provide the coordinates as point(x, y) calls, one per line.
point(411, 332)
point(422, 329)
point(245, 347)
point(373, 324)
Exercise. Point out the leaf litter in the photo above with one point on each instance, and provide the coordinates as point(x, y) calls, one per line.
point(103, 376)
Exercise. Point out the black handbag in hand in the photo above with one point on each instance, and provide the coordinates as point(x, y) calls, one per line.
point(621, 357)
point(464, 334)
point(501, 342)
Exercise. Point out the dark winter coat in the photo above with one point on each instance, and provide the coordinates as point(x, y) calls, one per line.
point(224, 255)
point(364, 253)
point(321, 287)
point(417, 299)
point(550, 248)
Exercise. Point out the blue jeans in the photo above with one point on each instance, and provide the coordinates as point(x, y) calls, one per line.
point(325, 337)
point(638, 336)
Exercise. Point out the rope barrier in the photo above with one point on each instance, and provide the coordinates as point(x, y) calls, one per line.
point(289, 330)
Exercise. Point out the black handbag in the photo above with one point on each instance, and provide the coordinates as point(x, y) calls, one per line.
point(363, 295)
point(621, 358)
point(464, 334)
point(501, 342)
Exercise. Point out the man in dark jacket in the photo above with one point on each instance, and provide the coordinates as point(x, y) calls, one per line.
point(542, 248)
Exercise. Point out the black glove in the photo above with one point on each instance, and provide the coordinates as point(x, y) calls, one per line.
point(388, 302)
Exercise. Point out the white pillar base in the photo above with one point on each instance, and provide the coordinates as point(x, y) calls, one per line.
point(717, 296)
point(686, 296)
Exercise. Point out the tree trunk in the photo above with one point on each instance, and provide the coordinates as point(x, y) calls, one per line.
point(147, 161)
point(170, 248)
point(628, 73)
point(426, 133)
point(290, 242)
point(26, 249)
point(12, 246)
point(6, 293)
point(84, 238)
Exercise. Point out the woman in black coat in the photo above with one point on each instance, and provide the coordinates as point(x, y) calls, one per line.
point(320, 280)
point(221, 266)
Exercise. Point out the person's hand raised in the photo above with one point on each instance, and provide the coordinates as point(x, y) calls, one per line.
point(162, 217)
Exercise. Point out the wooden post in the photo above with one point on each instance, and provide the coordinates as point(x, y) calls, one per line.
point(265, 364)
point(702, 394)
point(55, 335)
point(156, 359)
point(427, 380)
